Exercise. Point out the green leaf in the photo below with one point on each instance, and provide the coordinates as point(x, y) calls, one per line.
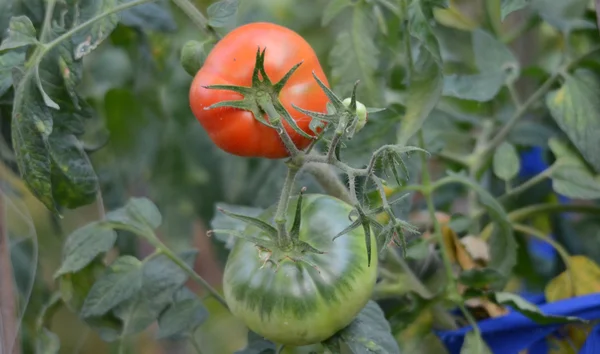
point(86, 41)
point(222, 13)
point(503, 246)
point(496, 65)
point(122, 280)
point(47, 343)
point(7, 62)
point(182, 317)
point(370, 332)
point(137, 313)
point(506, 162)
point(420, 15)
point(74, 287)
point(333, 8)
point(154, 16)
point(571, 177)
point(257, 345)
point(83, 245)
point(509, 6)
point(139, 215)
point(575, 107)
point(6, 8)
point(479, 278)
point(423, 94)
point(530, 310)
point(20, 33)
point(355, 56)
point(474, 344)
point(31, 127)
point(567, 15)
point(163, 278)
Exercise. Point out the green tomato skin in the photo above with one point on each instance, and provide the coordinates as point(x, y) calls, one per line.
point(361, 112)
point(296, 305)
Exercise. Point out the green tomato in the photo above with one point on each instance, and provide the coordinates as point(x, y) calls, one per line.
point(361, 112)
point(305, 301)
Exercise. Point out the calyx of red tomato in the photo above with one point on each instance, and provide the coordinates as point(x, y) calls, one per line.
point(272, 249)
point(262, 97)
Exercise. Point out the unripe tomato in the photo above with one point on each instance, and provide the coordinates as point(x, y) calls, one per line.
point(361, 112)
point(296, 304)
point(232, 62)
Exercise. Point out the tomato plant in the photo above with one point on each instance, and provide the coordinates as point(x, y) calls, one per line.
point(377, 176)
point(298, 297)
point(231, 62)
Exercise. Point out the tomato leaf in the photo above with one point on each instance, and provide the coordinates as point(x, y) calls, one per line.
point(503, 246)
point(333, 8)
point(47, 342)
point(257, 345)
point(154, 16)
point(122, 280)
point(370, 332)
point(583, 278)
point(479, 278)
point(20, 33)
point(566, 15)
point(574, 107)
point(222, 13)
point(87, 40)
point(531, 310)
point(162, 277)
point(83, 245)
point(139, 215)
point(137, 313)
point(571, 177)
point(509, 6)
point(355, 57)
point(182, 317)
point(8, 61)
point(496, 65)
point(506, 162)
point(474, 344)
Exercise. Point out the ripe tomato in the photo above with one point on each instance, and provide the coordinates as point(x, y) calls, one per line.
point(231, 62)
point(297, 305)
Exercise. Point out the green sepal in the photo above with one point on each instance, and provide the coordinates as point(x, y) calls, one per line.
point(268, 229)
point(266, 244)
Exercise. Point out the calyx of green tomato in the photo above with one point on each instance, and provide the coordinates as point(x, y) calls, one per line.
point(272, 249)
point(262, 97)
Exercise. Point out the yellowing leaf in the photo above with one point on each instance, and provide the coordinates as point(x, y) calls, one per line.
point(452, 17)
point(586, 274)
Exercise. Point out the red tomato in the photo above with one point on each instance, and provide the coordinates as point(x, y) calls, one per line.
point(231, 62)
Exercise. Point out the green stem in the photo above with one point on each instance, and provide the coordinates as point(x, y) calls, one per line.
point(427, 193)
point(529, 183)
point(162, 248)
point(470, 318)
point(527, 230)
point(196, 16)
point(329, 180)
point(284, 236)
point(47, 20)
point(195, 344)
point(275, 119)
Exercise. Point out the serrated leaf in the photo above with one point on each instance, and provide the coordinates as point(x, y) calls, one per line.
point(88, 40)
point(503, 246)
point(257, 345)
point(480, 277)
point(20, 33)
point(355, 56)
point(83, 245)
point(47, 342)
point(139, 215)
point(7, 62)
point(370, 332)
point(509, 6)
point(574, 107)
point(506, 162)
point(424, 92)
point(531, 310)
point(474, 344)
point(181, 317)
point(333, 8)
point(122, 280)
point(154, 16)
point(571, 177)
point(137, 313)
point(222, 13)
point(496, 65)
point(163, 278)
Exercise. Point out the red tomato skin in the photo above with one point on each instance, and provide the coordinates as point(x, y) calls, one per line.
point(231, 62)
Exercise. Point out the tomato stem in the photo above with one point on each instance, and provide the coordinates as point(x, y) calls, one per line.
point(283, 236)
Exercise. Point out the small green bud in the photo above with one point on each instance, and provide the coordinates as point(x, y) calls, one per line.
point(361, 112)
point(193, 55)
